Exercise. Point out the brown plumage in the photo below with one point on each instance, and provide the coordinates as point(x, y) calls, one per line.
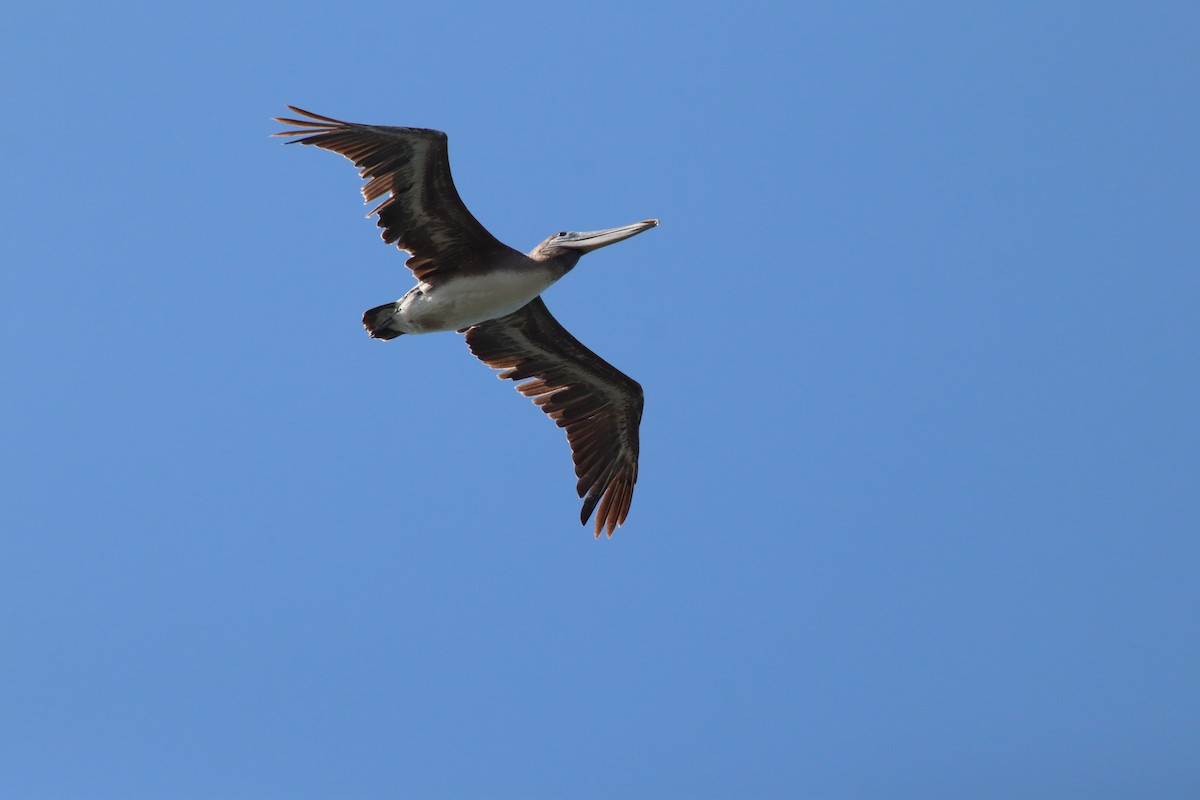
point(454, 257)
point(599, 406)
point(423, 213)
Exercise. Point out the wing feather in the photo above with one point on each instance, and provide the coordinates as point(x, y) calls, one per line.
point(422, 212)
point(599, 406)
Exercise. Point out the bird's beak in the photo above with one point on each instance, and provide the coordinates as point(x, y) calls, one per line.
point(594, 240)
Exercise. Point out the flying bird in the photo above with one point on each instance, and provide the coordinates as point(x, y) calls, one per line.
point(470, 282)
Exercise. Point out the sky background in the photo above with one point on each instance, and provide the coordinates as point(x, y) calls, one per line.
point(919, 493)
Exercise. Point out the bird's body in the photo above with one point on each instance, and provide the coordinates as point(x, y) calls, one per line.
point(459, 303)
point(468, 281)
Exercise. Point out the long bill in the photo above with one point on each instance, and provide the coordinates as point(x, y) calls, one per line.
point(593, 240)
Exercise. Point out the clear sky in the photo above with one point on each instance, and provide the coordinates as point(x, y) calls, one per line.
point(919, 495)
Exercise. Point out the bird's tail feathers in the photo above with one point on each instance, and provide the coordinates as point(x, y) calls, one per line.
point(379, 322)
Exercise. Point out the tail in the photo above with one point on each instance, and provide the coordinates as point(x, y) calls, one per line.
point(380, 322)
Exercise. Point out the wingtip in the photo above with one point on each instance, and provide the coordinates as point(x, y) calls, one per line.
point(306, 113)
point(315, 123)
point(606, 520)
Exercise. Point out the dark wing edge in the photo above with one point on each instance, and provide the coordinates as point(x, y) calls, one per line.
point(599, 406)
point(423, 212)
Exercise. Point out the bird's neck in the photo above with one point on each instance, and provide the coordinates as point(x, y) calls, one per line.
point(560, 262)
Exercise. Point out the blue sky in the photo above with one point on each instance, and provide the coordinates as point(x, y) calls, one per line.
point(917, 510)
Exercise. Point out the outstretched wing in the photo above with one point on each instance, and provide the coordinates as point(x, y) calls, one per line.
point(599, 406)
point(423, 213)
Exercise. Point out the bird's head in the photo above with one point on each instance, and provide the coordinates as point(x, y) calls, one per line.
point(568, 246)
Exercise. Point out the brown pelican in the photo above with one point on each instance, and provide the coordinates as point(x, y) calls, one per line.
point(470, 282)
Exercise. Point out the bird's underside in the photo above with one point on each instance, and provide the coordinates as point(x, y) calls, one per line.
point(469, 281)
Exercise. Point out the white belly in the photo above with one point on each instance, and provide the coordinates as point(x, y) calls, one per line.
point(464, 302)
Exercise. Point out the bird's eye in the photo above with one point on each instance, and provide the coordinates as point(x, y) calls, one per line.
point(562, 233)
